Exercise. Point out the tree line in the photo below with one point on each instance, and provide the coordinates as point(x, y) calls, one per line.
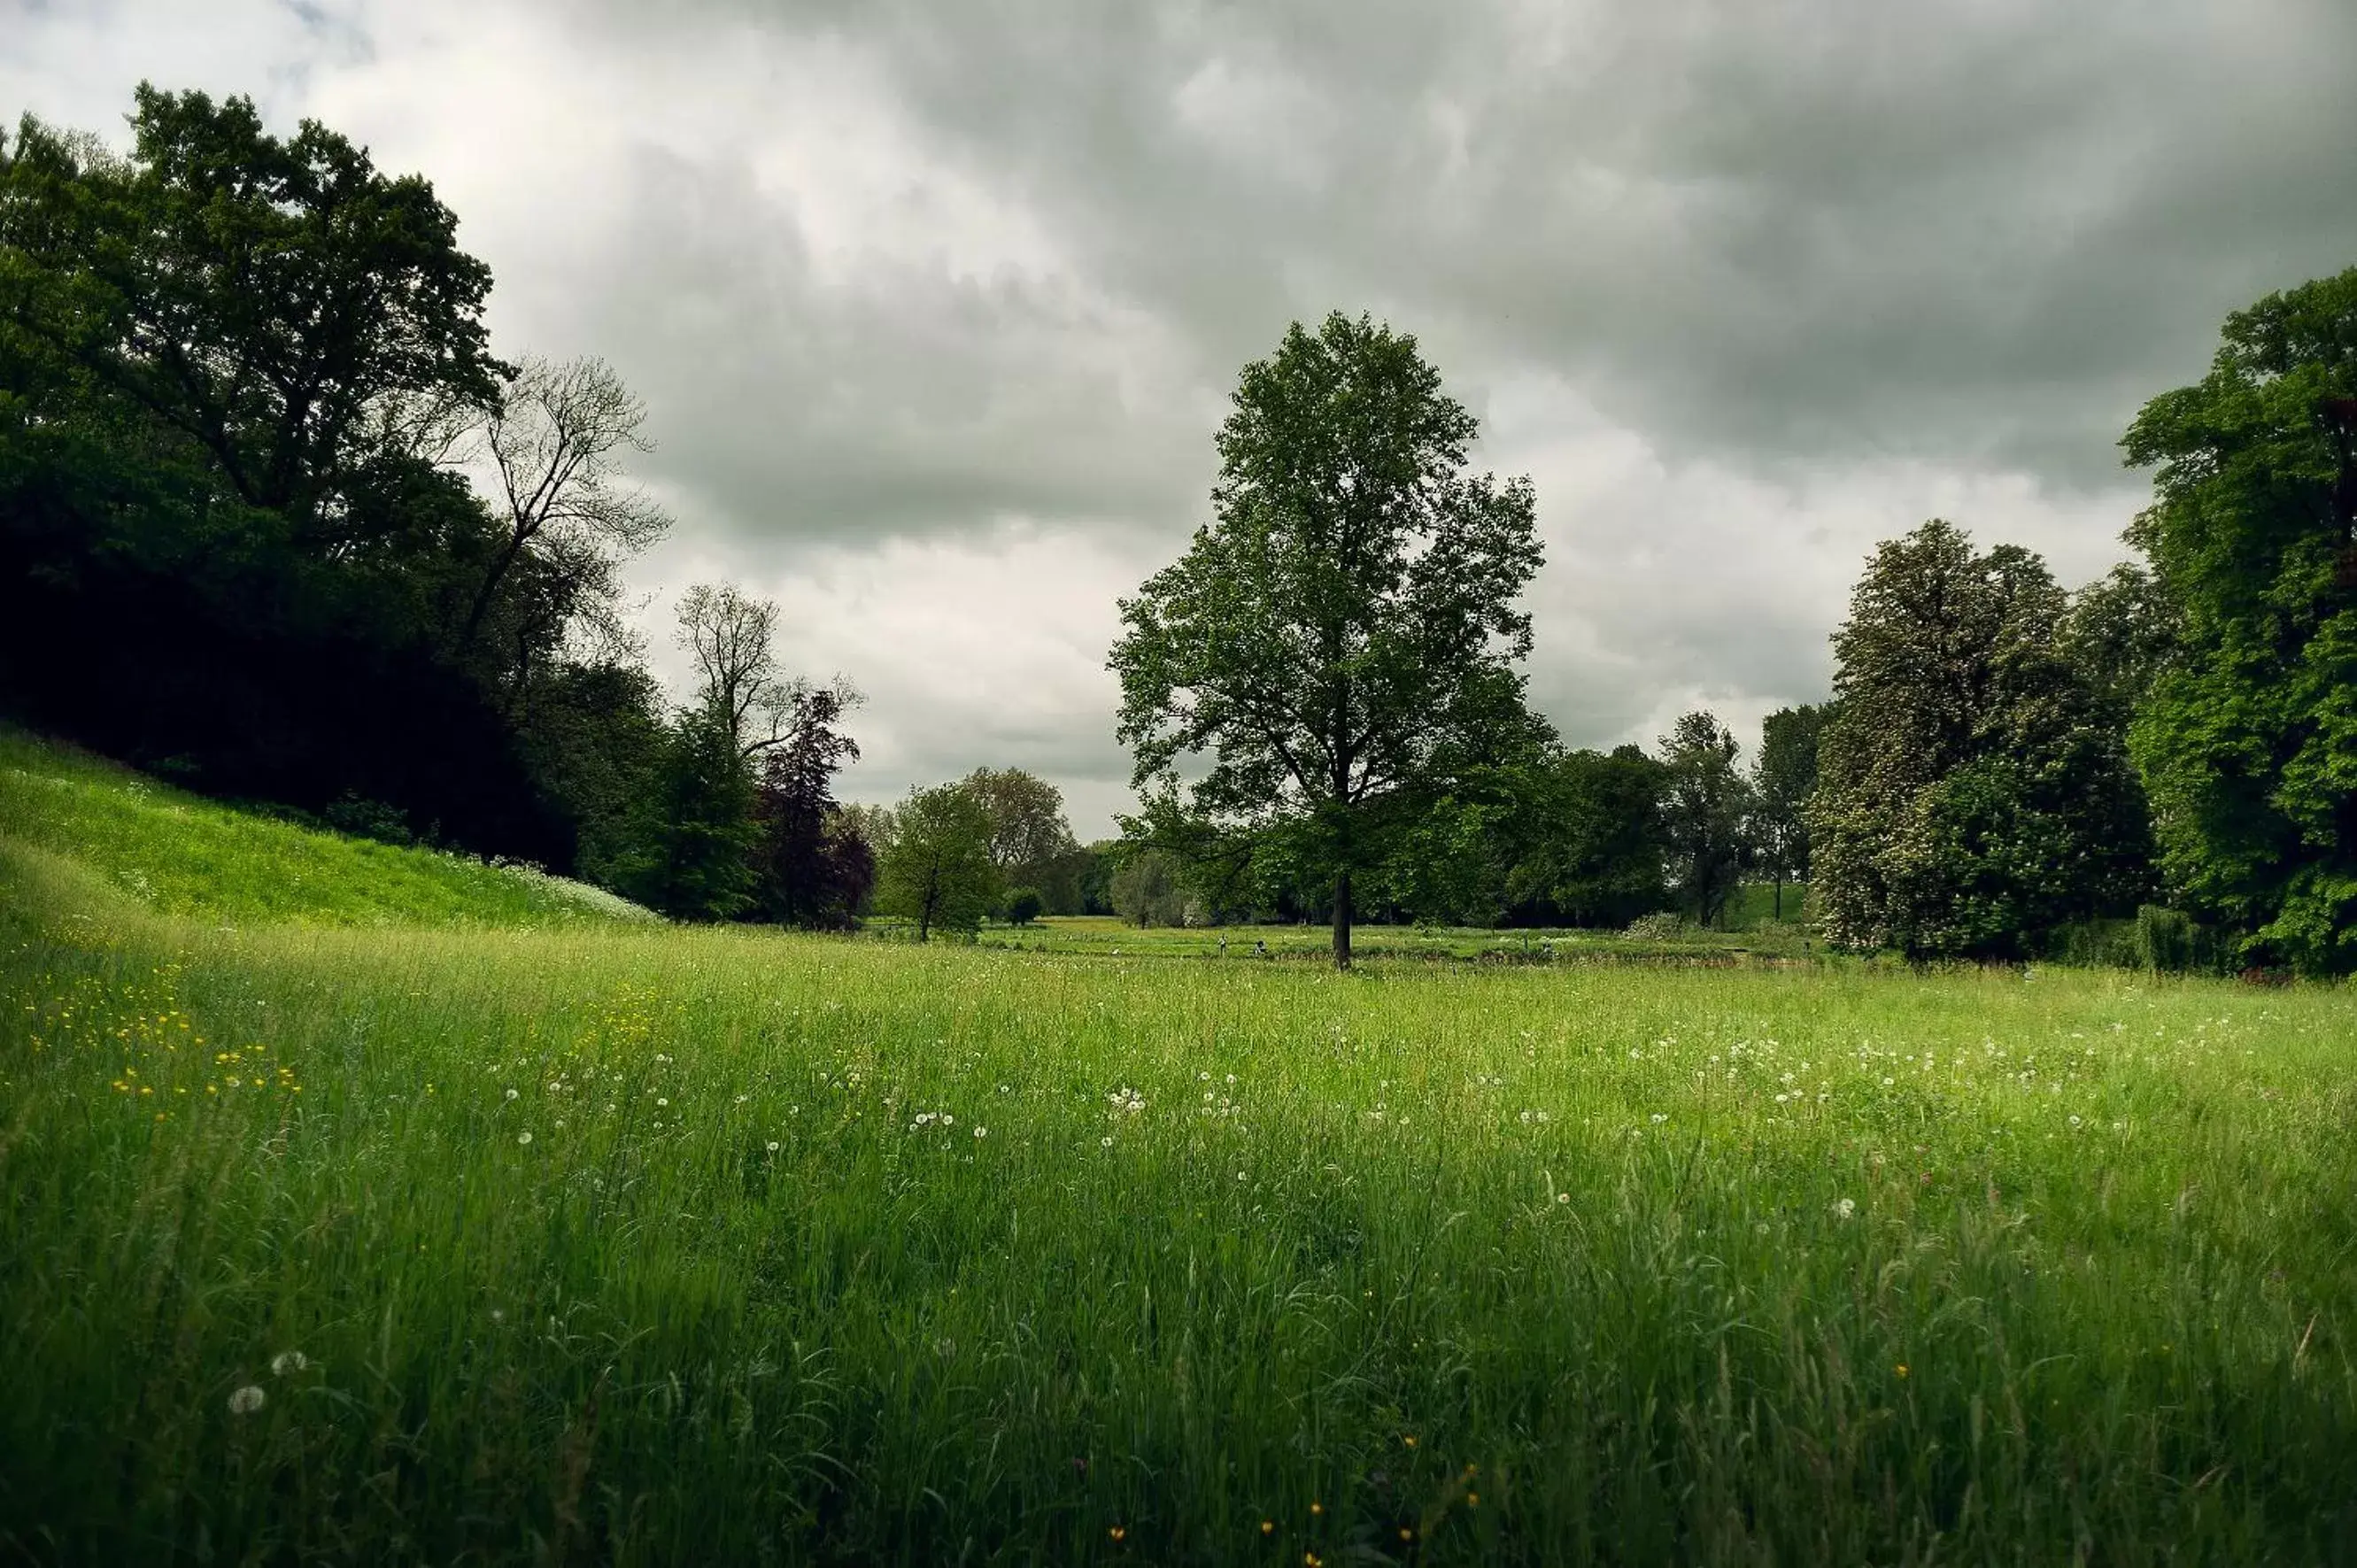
point(1323, 698)
point(278, 525)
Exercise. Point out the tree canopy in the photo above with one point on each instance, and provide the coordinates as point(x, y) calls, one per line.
point(1970, 796)
point(1784, 777)
point(1705, 813)
point(2247, 739)
point(938, 871)
point(1341, 638)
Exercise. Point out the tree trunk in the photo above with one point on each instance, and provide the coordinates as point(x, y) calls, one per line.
point(1779, 898)
point(500, 564)
point(1342, 920)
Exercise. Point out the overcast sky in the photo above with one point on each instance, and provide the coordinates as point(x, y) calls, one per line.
point(936, 306)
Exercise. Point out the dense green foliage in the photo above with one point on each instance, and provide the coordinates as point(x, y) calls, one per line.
point(223, 548)
point(938, 870)
point(1589, 846)
point(1784, 777)
point(2248, 739)
point(1341, 638)
point(695, 860)
point(1970, 799)
point(716, 1245)
point(1147, 889)
point(1706, 814)
point(811, 867)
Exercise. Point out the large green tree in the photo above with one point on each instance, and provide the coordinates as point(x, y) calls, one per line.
point(266, 300)
point(1341, 638)
point(2248, 738)
point(1030, 840)
point(1972, 795)
point(938, 871)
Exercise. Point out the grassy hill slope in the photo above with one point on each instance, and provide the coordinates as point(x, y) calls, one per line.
point(178, 854)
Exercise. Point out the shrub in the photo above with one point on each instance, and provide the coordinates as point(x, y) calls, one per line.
point(368, 818)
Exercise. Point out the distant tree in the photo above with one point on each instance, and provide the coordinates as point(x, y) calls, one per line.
point(1025, 905)
point(1029, 834)
point(1146, 889)
point(851, 861)
point(1706, 805)
point(553, 439)
point(1783, 776)
point(938, 871)
point(730, 635)
point(1099, 861)
point(1590, 848)
point(808, 871)
point(873, 825)
point(695, 862)
point(594, 735)
point(1343, 635)
point(1971, 798)
point(2247, 739)
point(1063, 881)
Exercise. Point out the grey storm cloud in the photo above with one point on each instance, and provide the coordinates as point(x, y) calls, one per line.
point(936, 305)
point(1791, 232)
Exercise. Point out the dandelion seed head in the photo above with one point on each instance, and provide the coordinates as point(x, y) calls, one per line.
point(247, 1399)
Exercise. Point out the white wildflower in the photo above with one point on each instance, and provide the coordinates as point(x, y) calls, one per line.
point(287, 1362)
point(247, 1399)
point(1845, 1208)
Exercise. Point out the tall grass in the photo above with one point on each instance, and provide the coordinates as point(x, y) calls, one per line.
point(181, 854)
point(607, 1244)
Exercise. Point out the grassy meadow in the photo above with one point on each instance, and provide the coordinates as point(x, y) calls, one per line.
point(371, 1204)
